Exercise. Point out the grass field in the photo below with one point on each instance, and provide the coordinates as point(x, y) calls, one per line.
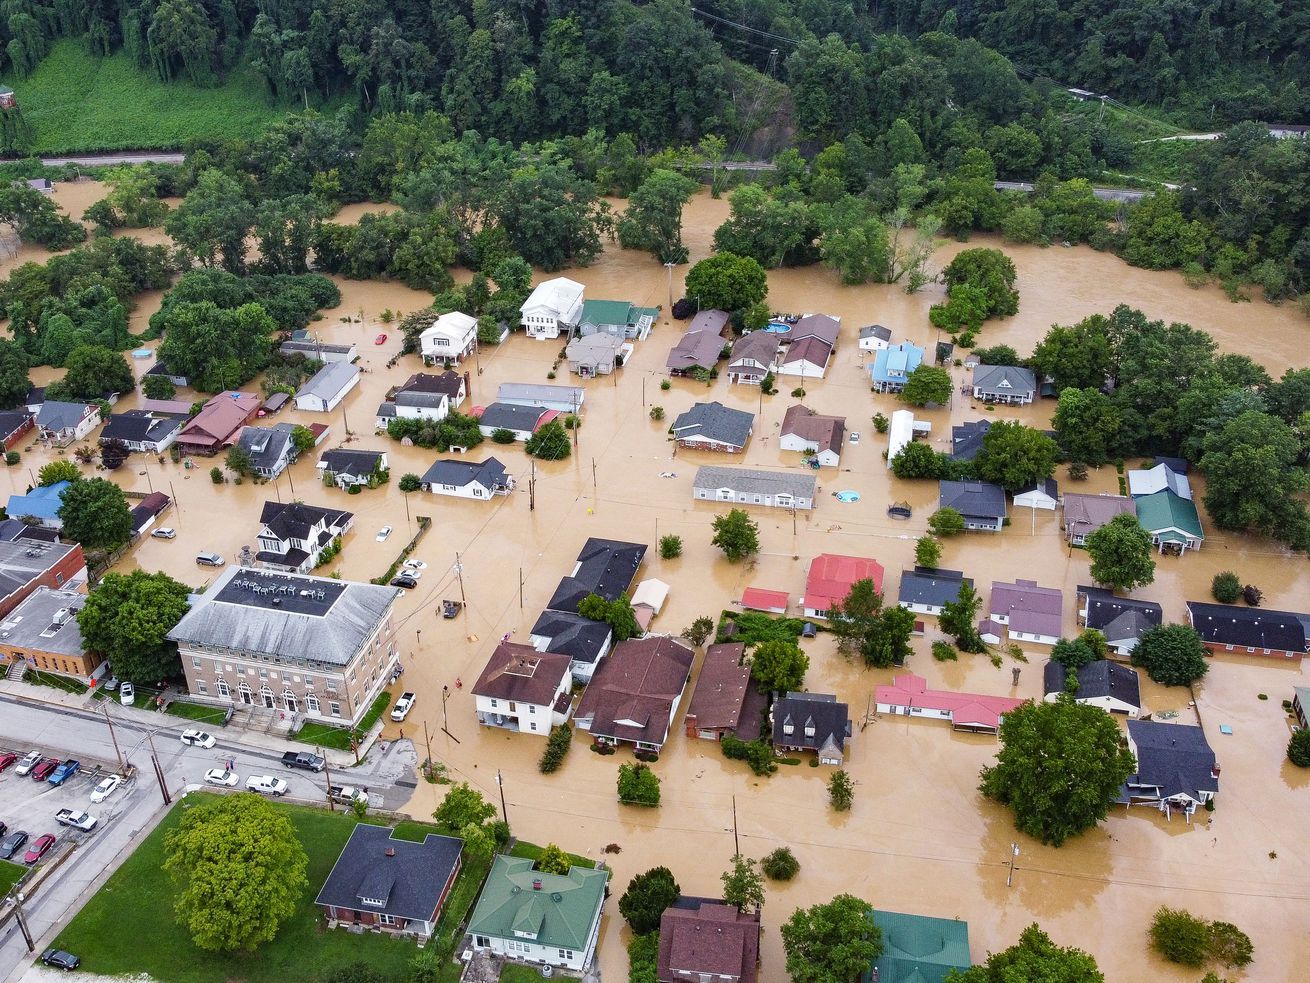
point(79, 103)
point(532, 852)
point(128, 927)
point(338, 738)
point(54, 680)
point(197, 711)
point(9, 876)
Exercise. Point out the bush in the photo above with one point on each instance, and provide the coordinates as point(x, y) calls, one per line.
point(657, 413)
point(780, 865)
point(944, 652)
point(1183, 938)
point(666, 385)
point(945, 522)
point(1229, 945)
point(880, 423)
point(798, 393)
point(557, 746)
point(1298, 748)
point(216, 475)
point(1078, 471)
point(1252, 595)
point(502, 435)
point(12, 458)
point(758, 753)
point(670, 547)
point(1226, 588)
point(767, 384)
point(638, 785)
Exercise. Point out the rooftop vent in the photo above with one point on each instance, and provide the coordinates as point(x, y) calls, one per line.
point(391, 851)
point(536, 883)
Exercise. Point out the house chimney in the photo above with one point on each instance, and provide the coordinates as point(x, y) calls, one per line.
point(391, 851)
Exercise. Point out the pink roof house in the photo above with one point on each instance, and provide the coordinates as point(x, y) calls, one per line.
point(1030, 613)
point(910, 696)
point(831, 578)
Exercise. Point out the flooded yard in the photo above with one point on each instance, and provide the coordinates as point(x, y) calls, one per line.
point(919, 838)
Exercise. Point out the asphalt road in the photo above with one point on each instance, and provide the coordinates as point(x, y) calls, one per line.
point(109, 160)
point(388, 774)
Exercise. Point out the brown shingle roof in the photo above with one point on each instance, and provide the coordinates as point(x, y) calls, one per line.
point(521, 673)
point(724, 698)
point(1084, 514)
point(757, 345)
point(824, 432)
point(711, 938)
point(221, 417)
point(813, 350)
point(632, 692)
point(695, 349)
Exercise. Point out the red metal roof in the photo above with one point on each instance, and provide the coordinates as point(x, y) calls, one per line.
point(966, 709)
point(760, 599)
point(831, 576)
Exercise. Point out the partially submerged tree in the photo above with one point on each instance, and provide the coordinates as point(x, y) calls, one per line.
point(831, 943)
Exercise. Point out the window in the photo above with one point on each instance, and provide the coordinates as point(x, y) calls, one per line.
point(513, 707)
point(334, 708)
point(787, 728)
point(532, 708)
point(532, 725)
point(223, 690)
point(195, 663)
point(202, 687)
point(263, 673)
point(566, 953)
point(495, 703)
point(387, 919)
point(311, 703)
point(1250, 648)
point(482, 942)
point(809, 730)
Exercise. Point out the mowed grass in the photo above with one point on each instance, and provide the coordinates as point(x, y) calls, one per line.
point(533, 852)
point(76, 102)
point(129, 925)
point(338, 738)
point(10, 874)
point(197, 711)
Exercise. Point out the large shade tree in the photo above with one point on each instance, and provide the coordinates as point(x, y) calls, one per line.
point(127, 618)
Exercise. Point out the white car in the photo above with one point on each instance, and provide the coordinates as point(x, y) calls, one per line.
point(383, 533)
point(106, 788)
point(266, 785)
point(78, 820)
point(126, 694)
point(221, 776)
point(414, 565)
point(198, 738)
point(164, 532)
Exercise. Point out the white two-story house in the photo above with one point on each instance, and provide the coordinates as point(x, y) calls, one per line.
point(451, 338)
point(293, 536)
point(552, 305)
point(524, 690)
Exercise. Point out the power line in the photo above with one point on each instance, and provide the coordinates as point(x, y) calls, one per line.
point(744, 27)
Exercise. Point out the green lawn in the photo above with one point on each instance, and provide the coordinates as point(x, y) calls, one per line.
point(76, 102)
point(325, 735)
point(54, 681)
point(532, 852)
point(128, 926)
point(512, 973)
point(10, 874)
point(195, 711)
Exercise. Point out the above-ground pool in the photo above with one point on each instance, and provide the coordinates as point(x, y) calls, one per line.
point(777, 327)
point(847, 496)
point(141, 353)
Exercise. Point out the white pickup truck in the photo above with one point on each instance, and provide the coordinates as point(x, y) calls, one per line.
point(78, 820)
point(403, 705)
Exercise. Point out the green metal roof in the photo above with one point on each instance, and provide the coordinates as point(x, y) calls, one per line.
point(1163, 511)
point(559, 914)
point(608, 312)
point(919, 949)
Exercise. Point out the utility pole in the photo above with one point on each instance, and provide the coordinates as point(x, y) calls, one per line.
point(643, 392)
point(500, 784)
point(576, 421)
point(176, 503)
point(344, 422)
point(520, 588)
point(1014, 852)
point(122, 768)
point(290, 480)
point(445, 695)
point(532, 487)
point(427, 738)
point(327, 773)
point(669, 267)
point(736, 844)
point(159, 772)
point(593, 478)
point(19, 898)
point(459, 572)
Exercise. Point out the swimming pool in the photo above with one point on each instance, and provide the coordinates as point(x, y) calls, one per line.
point(777, 327)
point(848, 496)
point(141, 353)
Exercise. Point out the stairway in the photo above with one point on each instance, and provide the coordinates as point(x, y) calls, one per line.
point(16, 670)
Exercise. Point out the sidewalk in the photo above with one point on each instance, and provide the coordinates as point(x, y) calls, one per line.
point(253, 737)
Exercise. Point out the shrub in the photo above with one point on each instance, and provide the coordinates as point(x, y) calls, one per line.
point(666, 385)
point(12, 458)
point(1252, 595)
point(1078, 471)
point(1180, 936)
point(657, 413)
point(502, 435)
point(880, 423)
point(670, 547)
point(946, 521)
point(766, 384)
point(638, 785)
point(216, 475)
point(1229, 945)
point(1226, 588)
point(758, 753)
point(699, 630)
point(944, 652)
point(798, 393)
point(780, 865)
point(557, 746)
point(841, 791)
point(927, 551)
point(550, 375)
point(1298, 748)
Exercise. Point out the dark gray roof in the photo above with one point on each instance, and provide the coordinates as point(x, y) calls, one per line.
point(1097, 680)
point(972, 498)
point(46, 622)
point(876, 331)
point(13, 420)
point(831, 720)
point(409, 877)
point(581, 639)
point(23, 559)
point(1004, 379)
point(1048, 485)
point(1176, 758)
point(421, 398)
point(1229, 624)
point(605, 567)
point(448, 382)
point(1105, 607)
point(293, 617)
point(967, 438)
point(359, 464)
point(924, 585)
point(139, 425)
point(54, 415)
point(714, 421)
point(266, 445)
point(295, 520)
point(488, 473)
point(512, 416)
point(1177, 465)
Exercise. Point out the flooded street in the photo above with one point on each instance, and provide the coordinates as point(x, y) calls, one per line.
point(919, 838)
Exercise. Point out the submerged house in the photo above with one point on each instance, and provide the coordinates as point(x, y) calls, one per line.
point(1176, 770)
point(811, 722)
point(524, 690)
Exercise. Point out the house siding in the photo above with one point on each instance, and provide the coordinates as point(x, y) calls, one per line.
point(750, 498)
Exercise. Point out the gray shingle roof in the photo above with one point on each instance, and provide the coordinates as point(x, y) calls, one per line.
point(138, 425)
point(967, 438)
point(972, 498)
point(54, 415)
point(1004, 379)
point(330, 380)
point(605, 567)
point(830, 719)
point(752, 481)
point(237, 612)
point(488, 473)
point(1176, 758)
point(924, 585)
point(714, 421)
point(266, 445)
point(512, 416)
point(358, 464)
point(581, 639)
point(1231, 624)
point(296, 520)
point(876, 331)
point(410, 880)
point(1097, 680)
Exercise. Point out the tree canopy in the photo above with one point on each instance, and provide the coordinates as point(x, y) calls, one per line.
point(727, 282)
point(737, 534)
point(648, 894)
point(1172, 655)
point(832, 942)
point(1015, 456)
point(127, 618)
point(1121, 553)
point(1034, 957)
point(95, 513)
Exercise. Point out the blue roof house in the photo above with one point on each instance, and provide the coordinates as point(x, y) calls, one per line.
point(41, 504)
point(892, 367)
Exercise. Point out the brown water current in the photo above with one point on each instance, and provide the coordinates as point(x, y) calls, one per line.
point(919, 837)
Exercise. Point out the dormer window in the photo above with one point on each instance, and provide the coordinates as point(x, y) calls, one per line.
point(787, 728)
point(809, 729)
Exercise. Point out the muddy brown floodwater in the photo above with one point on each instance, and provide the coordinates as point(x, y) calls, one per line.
point(919, 838)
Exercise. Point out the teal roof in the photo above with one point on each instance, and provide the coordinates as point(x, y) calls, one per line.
point(1169, 517)
point(919, 949)
point(560, 914)
point(601, 312)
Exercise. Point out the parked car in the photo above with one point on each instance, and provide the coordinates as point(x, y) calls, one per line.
point(266, 785)
point(127, 694)
point(414, 565)
point(383, 533)
point(164, 532)
point(221, 776)
point(30, 761)
point(380, 339)
point(198, 738)
point(855, 436)
point(45, 769)
point(60, 959)
point(39, 848)
point(111, 685)
point(303, 760)
point(404, 580)
point(209, 560)
point(7, 759)
point(12, 843)
point(106, 788)
point(4, 828)
point(64, 772)
point(347, 794)
point(403, 705)
point(809, 630)
point(78, 820)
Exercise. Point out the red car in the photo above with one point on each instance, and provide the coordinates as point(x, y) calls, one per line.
point(39, 848)
point(380, 340)
point(42, 771)
point(7, 759)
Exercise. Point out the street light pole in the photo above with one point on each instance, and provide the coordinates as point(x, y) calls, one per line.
point(1014, 852)
point(159, 772)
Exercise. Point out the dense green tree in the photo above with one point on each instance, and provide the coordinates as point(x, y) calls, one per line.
point(127, 618)
point(1015, 456)
point(1159, 236)
point(831, 943)
point(36, 218)
point(1060, 768)
point(93, 373)
point(963, 312)
point(841, 791)
point(778, 666)
point(211, 224)
point(737, 534)
point(643, 958)
point(1087, 425)
point(774, 230)
point(959, 619)
point(132, 201)
point(217, 348)
point(653, 219)
point(1253, 477)
point(1077, 357)
point(918, 460)
point(1226, 587)
point(15, 383)
point(1298, 747)
point(1172, 655)
point(617, 614)
point(780, 865)
point(946, 521)
point(648, 894)
point(1073, 653)
point(853, 618)
point(1034, 957)
point(638, 785)
point(1121, 554)
point(743, 885)
point(928, 551)
point(1180, 936)
point(927, 384)
point(727, 282)
point(95, 514)
point(989, 270)
point(56, 471)
point(553, 217)
point(463, 806)
point(855, 242)
point(158, 387)
point(550, 442)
